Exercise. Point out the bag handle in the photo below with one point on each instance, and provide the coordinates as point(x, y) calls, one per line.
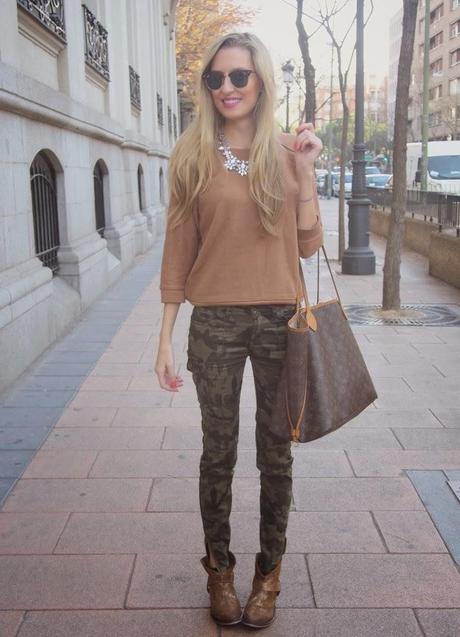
point(304, 287)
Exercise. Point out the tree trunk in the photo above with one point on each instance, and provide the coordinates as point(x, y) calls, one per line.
point(343, 157)
point(392, 267)
point(308, 68)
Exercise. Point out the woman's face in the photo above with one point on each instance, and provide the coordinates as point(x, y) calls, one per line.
point(235, 103)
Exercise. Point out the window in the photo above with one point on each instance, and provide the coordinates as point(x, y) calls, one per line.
point(435, 93)
point(98, 179)
point(455, 4)
point(421, 24)
point(159, 109)
point(420, 50)
point(454, 86)
point(436, 40)
point(454, 29)
point(45, 210)
point(437, 13)
point(436, 67)
point(454, 57)
point(434, 119)
point(140, 187)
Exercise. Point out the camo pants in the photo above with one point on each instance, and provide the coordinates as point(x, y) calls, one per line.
point(220, 340)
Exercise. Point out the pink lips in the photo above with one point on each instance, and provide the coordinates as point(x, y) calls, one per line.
point(231, 103)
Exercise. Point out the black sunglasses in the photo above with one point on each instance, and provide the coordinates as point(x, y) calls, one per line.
point(239, 78)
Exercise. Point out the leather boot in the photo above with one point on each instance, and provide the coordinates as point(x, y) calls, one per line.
point(259, 611)
point(225, 605)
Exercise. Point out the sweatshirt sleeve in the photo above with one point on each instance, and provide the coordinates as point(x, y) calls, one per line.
point(179, 253)
point(311, 240)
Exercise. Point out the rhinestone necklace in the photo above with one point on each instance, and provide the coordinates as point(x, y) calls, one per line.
point(231, 162)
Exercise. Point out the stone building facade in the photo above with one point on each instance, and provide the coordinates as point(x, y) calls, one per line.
point(444, 57)
point(88, 114)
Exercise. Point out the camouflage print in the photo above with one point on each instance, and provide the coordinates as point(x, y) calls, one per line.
point(220, 340)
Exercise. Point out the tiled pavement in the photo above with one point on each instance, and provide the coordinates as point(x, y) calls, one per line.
point(101, 536)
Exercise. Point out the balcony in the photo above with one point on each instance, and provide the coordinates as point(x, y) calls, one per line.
point(50, 13)
point(134, 88)
point(96, 44)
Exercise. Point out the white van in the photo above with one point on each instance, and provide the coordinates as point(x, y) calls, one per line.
point(443, 165)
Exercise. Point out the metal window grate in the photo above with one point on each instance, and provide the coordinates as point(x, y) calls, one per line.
point(50, 13)
point(96, 44)
point(134, 88)
point(45, 211)
point(98, 178)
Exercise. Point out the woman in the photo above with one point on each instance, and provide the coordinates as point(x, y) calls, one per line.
point(243, 206)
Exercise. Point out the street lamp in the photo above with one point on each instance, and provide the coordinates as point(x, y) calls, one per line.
point(358, 258)
point(288, 78)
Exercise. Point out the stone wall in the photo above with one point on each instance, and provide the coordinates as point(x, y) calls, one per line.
point(441, 248)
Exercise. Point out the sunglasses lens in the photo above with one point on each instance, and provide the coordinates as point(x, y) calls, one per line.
point(214, 80)
point(239, 78)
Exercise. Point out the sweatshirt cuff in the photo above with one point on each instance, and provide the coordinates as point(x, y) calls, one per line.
point(311, 240)
point(172, 296)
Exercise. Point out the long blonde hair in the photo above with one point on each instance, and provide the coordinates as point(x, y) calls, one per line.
point(191, 163)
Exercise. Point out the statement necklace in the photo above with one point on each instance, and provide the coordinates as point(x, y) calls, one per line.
point(231, 162)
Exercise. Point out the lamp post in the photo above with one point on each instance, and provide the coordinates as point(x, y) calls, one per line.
point(288, 78)
point(358, 258)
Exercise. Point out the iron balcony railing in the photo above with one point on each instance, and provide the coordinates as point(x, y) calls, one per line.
point(134, 88)
point(433, 207)
point(96, 44)
point(49, 12)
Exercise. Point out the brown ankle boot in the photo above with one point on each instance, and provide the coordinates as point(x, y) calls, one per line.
point(260, 607)
point(225, 605)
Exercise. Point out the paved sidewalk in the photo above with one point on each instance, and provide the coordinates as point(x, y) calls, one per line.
point(101, 536)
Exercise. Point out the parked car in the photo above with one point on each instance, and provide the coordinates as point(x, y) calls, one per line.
point(336, 185)
point(372, 170)
point(378, 181)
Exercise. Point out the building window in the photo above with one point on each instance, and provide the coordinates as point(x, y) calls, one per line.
point(437, 13)
point(49, 14)
point(457, 112)
point(454, 86)
point(99, 208)
point(454, 30)
point(134, 88)
point(175, 125)
point(96, 44)
point(455, 4)
point(159, 109)
point(434, 119)
point(436, 40)
point(169, 120)
point(435, 93)
point(45, 210)
point(436, 67)
point(454, 57)
point(421, 24)
point(161, 185)
point(140, 187)
point(420, 50)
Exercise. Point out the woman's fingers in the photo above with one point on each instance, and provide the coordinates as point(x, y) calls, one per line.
point(168, 380)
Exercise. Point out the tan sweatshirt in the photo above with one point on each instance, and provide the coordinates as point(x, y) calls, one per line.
point(222, 255)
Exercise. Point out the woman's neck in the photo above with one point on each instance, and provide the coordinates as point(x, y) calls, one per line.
point(239, 134)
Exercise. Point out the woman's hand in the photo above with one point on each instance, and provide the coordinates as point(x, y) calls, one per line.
point(164, 368)
point(307, 147)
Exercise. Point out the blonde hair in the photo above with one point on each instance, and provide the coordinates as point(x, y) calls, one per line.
point(191, 163)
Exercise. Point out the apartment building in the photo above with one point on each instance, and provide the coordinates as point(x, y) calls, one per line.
point(444, 58)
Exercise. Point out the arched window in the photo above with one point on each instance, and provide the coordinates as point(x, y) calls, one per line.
point(162, 186)
point(45, 210)
point(98, 177)
point(140, 187)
